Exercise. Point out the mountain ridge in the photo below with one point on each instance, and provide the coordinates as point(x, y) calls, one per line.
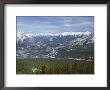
point(65, 45)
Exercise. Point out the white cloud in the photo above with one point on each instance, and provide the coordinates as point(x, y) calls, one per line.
point(79, 24)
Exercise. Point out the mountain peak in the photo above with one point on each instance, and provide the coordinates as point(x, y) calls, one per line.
point(75, 33)
point(20, 34)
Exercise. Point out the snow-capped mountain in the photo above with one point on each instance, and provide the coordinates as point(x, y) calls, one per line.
point(20, 34)
point(48, 45)
point(76, 33)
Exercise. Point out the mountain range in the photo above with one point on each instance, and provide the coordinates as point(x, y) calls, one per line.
point(65, 45)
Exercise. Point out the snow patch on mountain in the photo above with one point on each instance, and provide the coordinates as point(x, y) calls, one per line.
point(75, 33)
point(22, 35)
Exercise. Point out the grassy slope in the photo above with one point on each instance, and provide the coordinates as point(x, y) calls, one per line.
point(54, 66)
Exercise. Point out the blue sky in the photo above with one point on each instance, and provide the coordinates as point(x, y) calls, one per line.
point(54, 24)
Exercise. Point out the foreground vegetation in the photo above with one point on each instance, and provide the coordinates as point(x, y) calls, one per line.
point(53, 66)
